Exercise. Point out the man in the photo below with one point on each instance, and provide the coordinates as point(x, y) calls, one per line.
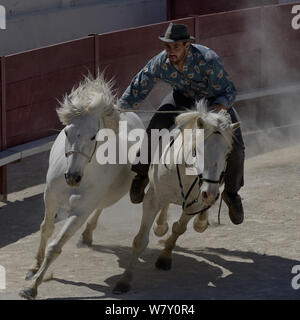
point(194, 72)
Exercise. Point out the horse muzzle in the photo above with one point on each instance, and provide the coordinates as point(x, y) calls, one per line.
point(73, 180)
point(209, 198)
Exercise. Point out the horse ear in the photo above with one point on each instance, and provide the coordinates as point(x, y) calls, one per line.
point(235, 126)
point(200, 123)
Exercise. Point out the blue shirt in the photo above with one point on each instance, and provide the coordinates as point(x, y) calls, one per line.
point(203, 76)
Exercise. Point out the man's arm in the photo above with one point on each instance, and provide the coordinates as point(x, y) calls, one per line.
point(141, 85)
point(220, 85)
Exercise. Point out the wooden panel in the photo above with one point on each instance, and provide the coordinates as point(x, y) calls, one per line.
point(280, 46)
point(42, 133)
point(244, 70)
point(3, 141)
point(43, 87)
point(124, 53)
point(235, 36)
point(49, 59)
point(35, 79)
point(26, 124)
point(2, 107)
point(233, 44)
point(3, 104)
point(177, 9)
point(229, 22)
point(39, 112)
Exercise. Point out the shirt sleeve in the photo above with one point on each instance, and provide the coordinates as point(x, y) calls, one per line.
point(141, 85)
point(220, 85)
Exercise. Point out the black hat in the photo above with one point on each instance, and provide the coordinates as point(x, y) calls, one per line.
point(176, 33)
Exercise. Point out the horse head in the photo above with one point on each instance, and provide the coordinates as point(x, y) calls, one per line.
point(218, 133)
point(80, 146)
point(83, 112)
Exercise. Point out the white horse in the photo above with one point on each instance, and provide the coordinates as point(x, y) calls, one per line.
point(171, 184)
point(75, 180)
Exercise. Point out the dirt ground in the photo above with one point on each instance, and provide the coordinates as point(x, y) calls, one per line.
point(250, 261)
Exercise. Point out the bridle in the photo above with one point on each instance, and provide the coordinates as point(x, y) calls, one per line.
point(89, 157)
point(200, 179)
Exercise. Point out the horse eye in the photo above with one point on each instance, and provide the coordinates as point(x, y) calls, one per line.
point(66, 133)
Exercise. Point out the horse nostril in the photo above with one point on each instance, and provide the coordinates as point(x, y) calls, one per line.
point(77, 179)
point(204, 195)
point(66, 176)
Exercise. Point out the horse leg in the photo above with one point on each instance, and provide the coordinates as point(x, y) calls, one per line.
point(87, 234)
point(46, 230)
point(161, 226)
point(73, 223)
point(164, 260)
point(151, 207)
point(200, 222)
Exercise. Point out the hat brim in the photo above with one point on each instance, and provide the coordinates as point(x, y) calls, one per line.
point(164, 39)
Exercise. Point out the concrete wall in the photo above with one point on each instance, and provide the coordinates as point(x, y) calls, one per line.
point(35, 23)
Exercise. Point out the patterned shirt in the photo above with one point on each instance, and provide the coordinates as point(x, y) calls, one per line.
point(203, 76)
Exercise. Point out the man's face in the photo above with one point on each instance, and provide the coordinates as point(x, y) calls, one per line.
point(177, 51)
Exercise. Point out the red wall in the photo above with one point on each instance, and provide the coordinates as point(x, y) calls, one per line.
point(177, 9)
point(35, 79)
point(233, 36)
point(280, 46)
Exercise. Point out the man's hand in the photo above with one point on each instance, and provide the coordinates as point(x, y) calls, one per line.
point(218, 107)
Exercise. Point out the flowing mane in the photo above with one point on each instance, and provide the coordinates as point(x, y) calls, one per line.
point(93, 95)
point(211, 121)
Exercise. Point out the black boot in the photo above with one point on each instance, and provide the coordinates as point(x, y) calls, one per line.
point(137, 189)
point(234, 204)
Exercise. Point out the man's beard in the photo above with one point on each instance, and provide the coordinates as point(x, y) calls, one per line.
point(179, 59)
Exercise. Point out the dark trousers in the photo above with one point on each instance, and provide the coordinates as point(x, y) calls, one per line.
point(234, 174)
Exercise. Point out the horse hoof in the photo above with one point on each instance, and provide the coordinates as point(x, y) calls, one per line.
point(121, 287)
point(83, 243)
point(200, 222)
point(30, 274)
point(200, 227)
point(28, 293)
point(163, 263)
point(160, 230)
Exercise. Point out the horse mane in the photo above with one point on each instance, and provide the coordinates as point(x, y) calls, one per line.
point(211, 121)
point(92, 95)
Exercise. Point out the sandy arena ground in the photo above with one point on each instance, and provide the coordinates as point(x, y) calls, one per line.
point(250, 261)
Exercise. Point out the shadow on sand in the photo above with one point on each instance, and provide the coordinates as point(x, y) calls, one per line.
point(199, 274)
point(20, 218)
point(23, 217)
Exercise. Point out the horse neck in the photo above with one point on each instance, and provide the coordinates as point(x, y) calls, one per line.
point(177, 148)
point(111, 121)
